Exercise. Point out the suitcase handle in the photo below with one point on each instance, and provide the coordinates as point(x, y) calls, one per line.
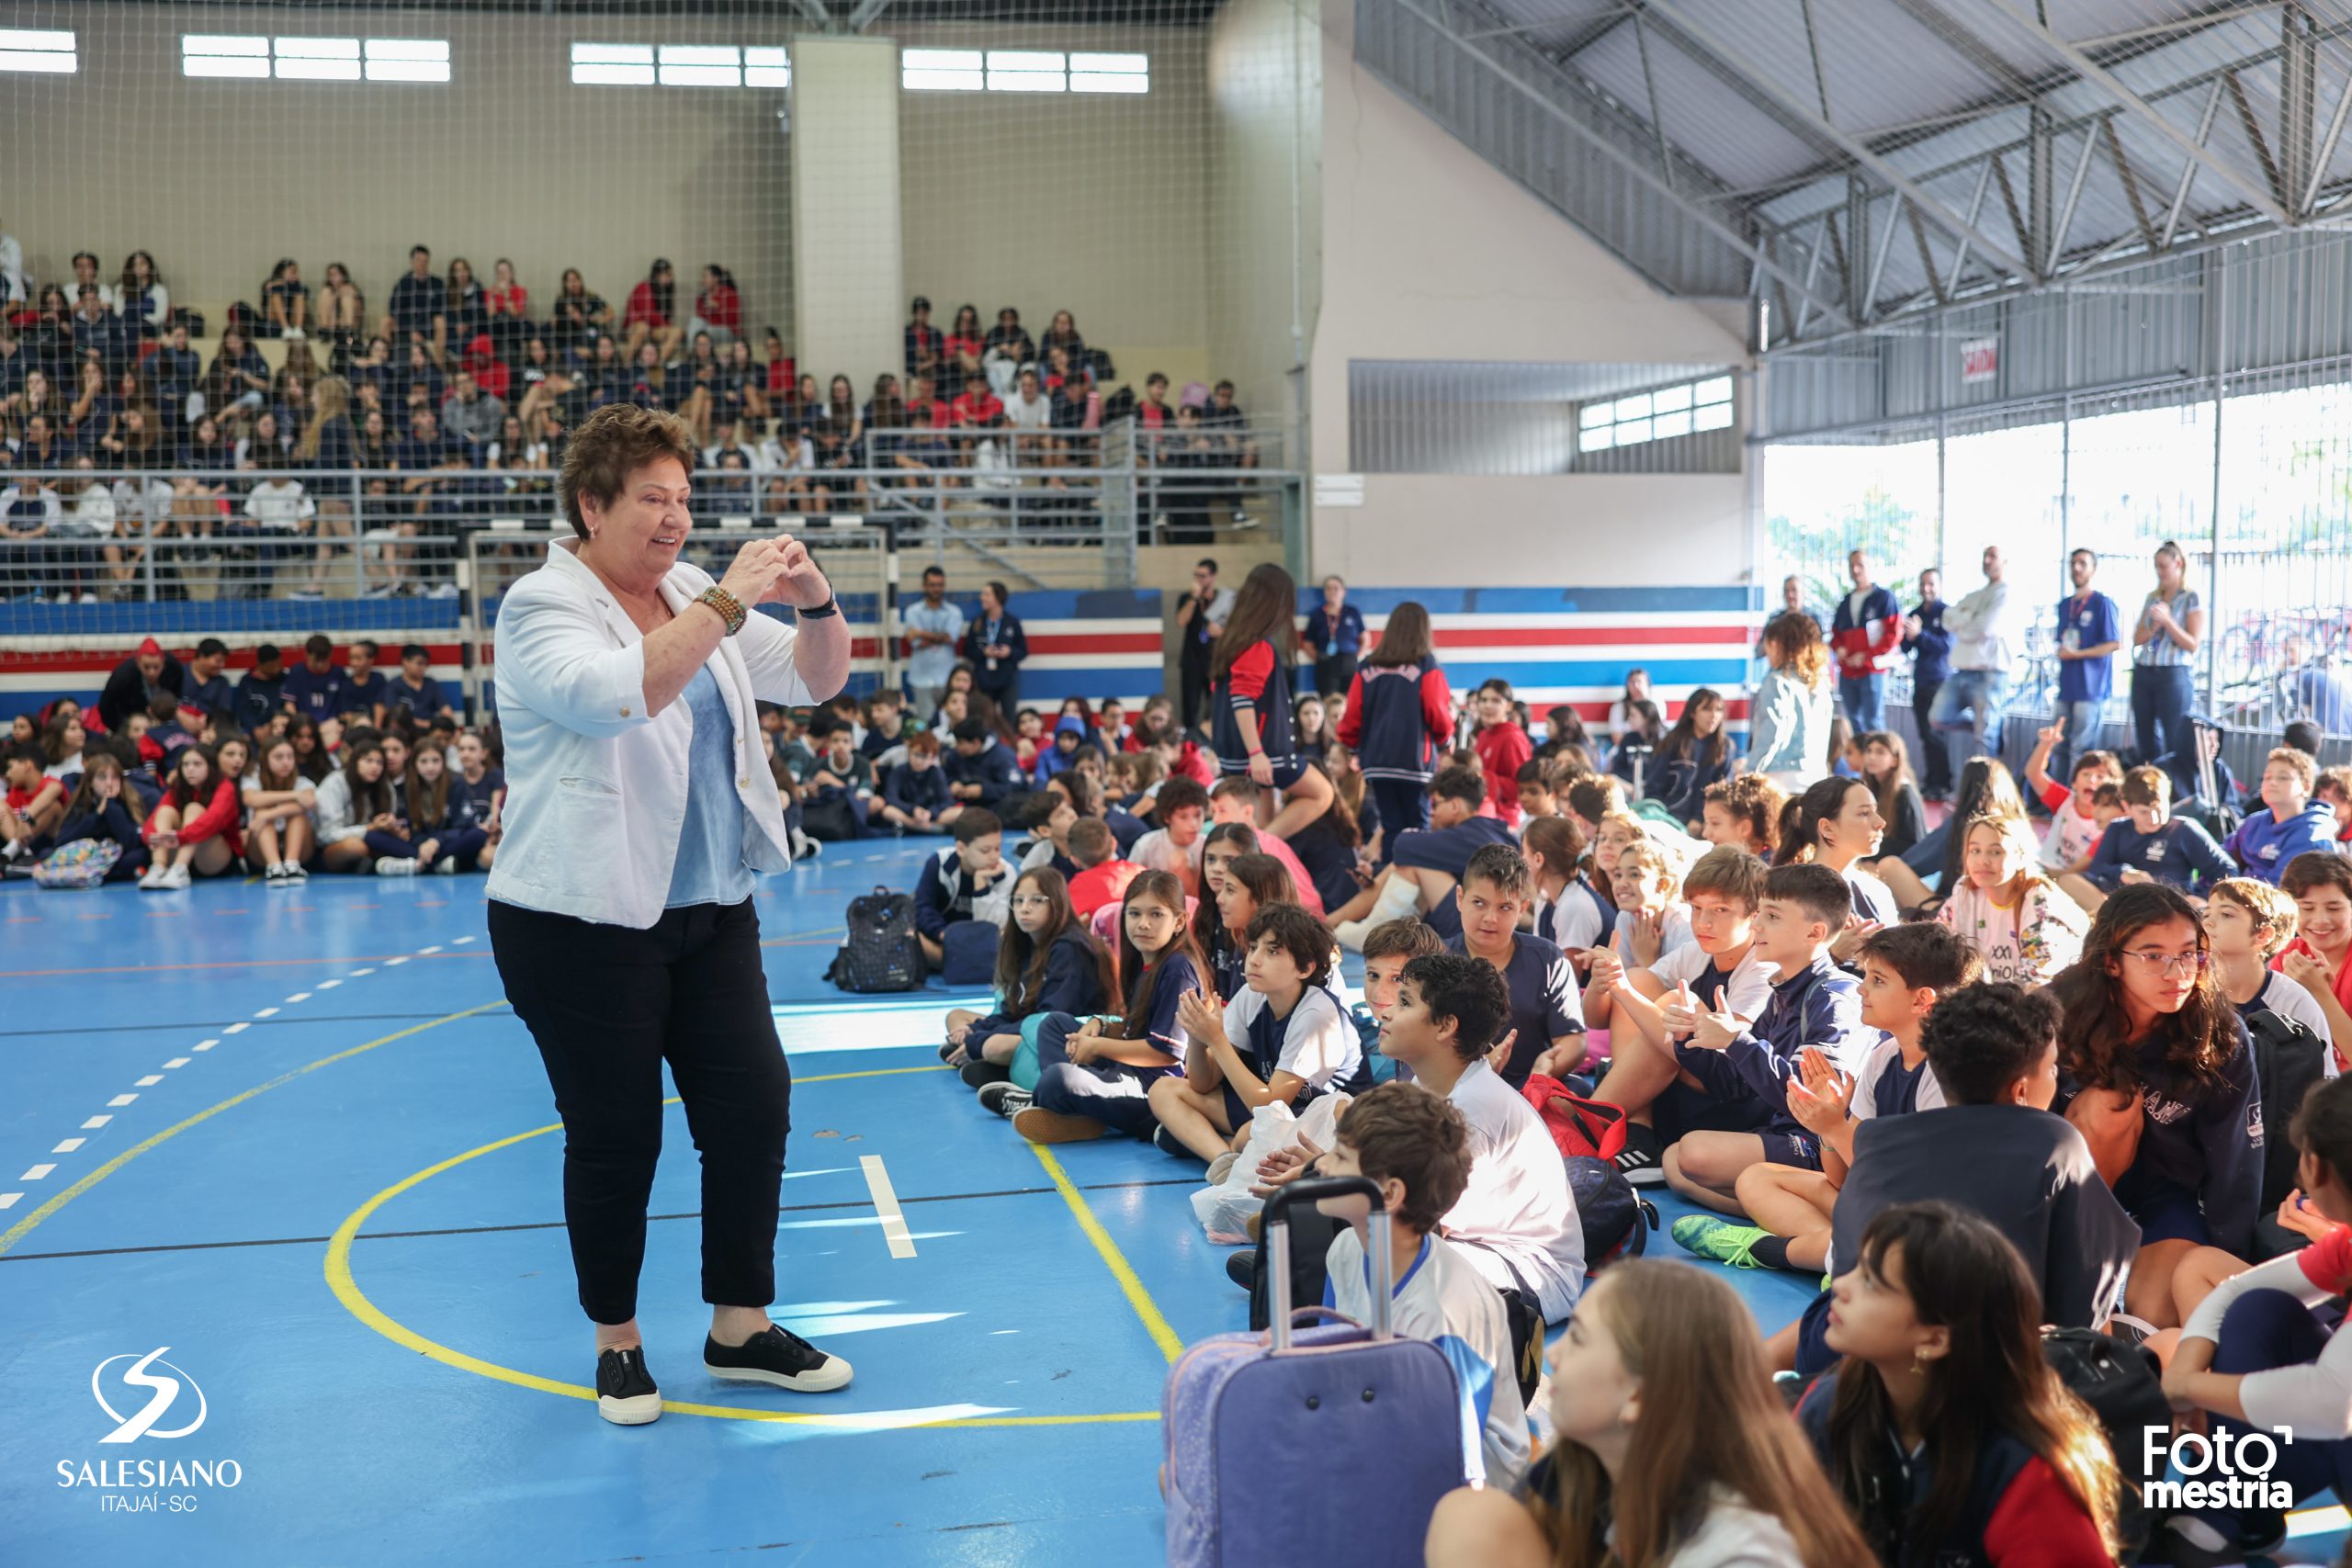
point(1276, 1229)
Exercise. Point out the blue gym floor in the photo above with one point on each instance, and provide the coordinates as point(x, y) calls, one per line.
point(295, 1140)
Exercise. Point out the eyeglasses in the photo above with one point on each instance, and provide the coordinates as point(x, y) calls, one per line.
point(1032, 900)
point(2172, 962)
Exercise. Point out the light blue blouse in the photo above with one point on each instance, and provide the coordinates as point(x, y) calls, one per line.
point(710, 868)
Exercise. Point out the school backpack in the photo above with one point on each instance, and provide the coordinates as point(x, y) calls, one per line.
point(883, 952)
point(1579, 1128)
point(81, 864)
point(828, 818)
point(2288, 1062)
point(2123, 1386)
point(967, 952)
point(1616, 1219)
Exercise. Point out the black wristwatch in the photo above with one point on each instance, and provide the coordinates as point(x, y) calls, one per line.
point(832, 606)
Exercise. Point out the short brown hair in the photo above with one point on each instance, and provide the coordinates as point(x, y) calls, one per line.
point(2338, 778)
point(612, 443)
point(1928, 953)
point(2272, 910)
point(922, 743)
point(1306, 940)
point(2147, 786)
point(1091, 841)
point(1820, 892)
point(2297, 758)
point(1409, 939)
point(1595, 796)
point(1503, 865)
point(1401, 1130)
point(2316, 868)
point(1729, 873)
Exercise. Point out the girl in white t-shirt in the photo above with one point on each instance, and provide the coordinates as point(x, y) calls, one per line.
point(2020, 920)
point(2074, 825)
point(1673, 1453)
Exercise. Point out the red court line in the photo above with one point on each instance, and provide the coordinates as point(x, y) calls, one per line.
point(229, 964)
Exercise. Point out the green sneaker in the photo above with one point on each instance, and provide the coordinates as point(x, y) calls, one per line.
point(1719, 1239)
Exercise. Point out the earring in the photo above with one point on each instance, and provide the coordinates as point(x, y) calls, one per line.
point(1918, 1365)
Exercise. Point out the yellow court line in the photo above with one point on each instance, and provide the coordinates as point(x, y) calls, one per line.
point(24, 1227)
point(1154, 1324)
point(346, 1289)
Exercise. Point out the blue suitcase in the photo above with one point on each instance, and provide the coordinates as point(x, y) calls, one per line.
point(1330, 1445)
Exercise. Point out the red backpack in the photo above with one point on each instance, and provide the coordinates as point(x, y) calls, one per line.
point(1588, 1128)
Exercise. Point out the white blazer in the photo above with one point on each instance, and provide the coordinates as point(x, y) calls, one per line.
point(596, 786)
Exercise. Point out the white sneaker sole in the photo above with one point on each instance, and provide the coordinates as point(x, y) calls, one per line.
point(833, 1373)
point(634, 1411)
point(1647, 1176)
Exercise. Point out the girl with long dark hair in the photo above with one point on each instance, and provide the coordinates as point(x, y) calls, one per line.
point(1835, 823)
point(1696, 752)
point(1945, 1428)
point(1221, 951)
point(194, 830)
point(2158, 1073)
point(1045, 961)
point(1093, 1075)
point(1398, 720)
point(104, 808)
point(1886, 768)
point(1250, 698)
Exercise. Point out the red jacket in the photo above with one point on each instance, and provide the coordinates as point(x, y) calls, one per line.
point(1504, 749)
point(1866, 647)
point(224, 817)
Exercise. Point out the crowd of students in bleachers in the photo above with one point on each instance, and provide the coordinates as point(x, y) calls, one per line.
point(459, 399)
point(1972, 1076)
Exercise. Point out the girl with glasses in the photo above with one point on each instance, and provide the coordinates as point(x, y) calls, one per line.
point(2156, 1072)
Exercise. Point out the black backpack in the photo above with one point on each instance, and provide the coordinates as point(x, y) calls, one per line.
point(2123, 1385)
point(883, 952)
point(1617, 1219)
point(2288, 1062)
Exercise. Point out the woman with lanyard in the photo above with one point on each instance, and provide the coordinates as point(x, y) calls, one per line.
point(639, 814)
point(996, 645)
point(1335, 632)
point(2164, 658)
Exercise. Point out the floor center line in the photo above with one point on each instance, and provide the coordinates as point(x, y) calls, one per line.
point(886, 1203)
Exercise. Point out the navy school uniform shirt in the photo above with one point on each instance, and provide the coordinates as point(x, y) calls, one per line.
point(470, 803)
point(1325, 641)
point(1177, 979)
point(2178, 853)
point(943, 893)
point(908, 789)
point(360, 695)
point(1072, 983)
point(2202, 1136)
point(257, 701)
point(1544, 1000)
point(997, 771)
point(1126, 827)
point(315, 695)
point(209, 696)
point(424, 701)
point(1819, 1004)
point(1329, 864)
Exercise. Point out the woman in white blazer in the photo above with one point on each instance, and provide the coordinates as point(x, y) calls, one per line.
point(639, 811)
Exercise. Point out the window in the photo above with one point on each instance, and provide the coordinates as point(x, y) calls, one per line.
point(25, 50)
point(1022, 71)
point(294, 58)
point(1110, 73)
point(941, 71)
point(678, 65)
point(1657, 415)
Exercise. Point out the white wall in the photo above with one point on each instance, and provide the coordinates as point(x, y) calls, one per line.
point(1429, 253)
point(1265, 60)
point(846, 165)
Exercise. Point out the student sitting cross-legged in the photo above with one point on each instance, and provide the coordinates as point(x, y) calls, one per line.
point(915, 798)
point(1994, 1148)
point(1907, 970)
point(1094, 1074)
point(1945, 1429)
point(1427, 862)
point(2150, 844)
point(1545, 1017)
point(1046, 962)
point(1416, 1147)
point(1283, 1041)
point(957, 875)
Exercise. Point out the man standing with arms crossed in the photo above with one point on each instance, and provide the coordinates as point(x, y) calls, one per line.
point(933, 628)
point(2089, 631)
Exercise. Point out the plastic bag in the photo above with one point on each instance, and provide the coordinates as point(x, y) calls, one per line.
point(1224, 1211)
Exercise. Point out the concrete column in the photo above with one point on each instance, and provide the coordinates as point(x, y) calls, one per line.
point(848, 308)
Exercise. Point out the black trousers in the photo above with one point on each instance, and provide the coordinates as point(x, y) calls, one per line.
point(1194, 685)
point(607, 1006)
point(1935, 757)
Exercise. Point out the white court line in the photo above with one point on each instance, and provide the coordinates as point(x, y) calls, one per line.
point(329, 985)
point(151, 1081)
point(361, 974)
point(68, 1147)
point(237, 1028)
point(886, 1203)
point(9, 1199)
point(37, 1172)
point(389, 962)
point(206, 1044)
point(426, 951)
point(178, 1062)
point(461, 941)
point(122, 1099)
point(96, 1121)
point(298, 997)
point(267, 1012)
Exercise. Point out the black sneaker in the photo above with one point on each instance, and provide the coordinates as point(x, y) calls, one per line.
point(1168, 1143)
point(626, 1394)
point(1005, 1098)
point(979, 1074)
point(774, 1356)
point(1241, 1268)
point(1638, 1161)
